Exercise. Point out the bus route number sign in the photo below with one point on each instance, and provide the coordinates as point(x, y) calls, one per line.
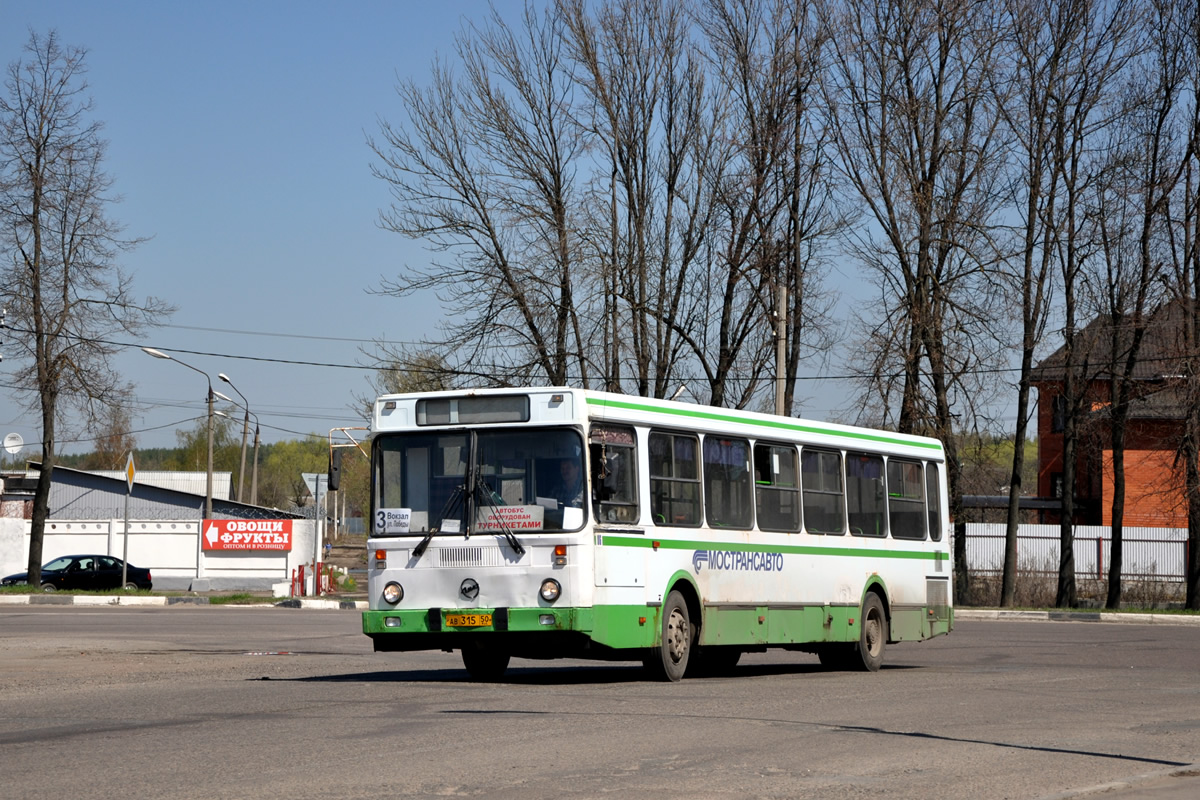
point(392, 520)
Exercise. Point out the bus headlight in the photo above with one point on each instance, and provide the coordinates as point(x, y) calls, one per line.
point(550, 590)
point(393, 593)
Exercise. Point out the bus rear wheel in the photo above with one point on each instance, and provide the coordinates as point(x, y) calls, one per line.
point(865, 655)
point(872, 635)
point(669, 660)
point(485, 663)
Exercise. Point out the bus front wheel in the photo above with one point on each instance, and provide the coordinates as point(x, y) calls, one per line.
point(669, 660)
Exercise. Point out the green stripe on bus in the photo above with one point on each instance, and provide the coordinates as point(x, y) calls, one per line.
point(764, 423)
point(609, 540)
point(635, 627)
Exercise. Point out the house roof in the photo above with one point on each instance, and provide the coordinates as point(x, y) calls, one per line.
point(1161, 367)
point(1099, 353)
point(80, 494)
point(191, 482)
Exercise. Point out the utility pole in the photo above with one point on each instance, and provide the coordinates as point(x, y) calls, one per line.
point(780, 348)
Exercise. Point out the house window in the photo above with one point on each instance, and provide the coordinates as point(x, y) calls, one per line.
point(1058, 414)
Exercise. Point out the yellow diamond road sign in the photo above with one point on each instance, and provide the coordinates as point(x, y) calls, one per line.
point(130, 471)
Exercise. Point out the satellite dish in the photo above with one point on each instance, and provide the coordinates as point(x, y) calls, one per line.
point(13, 443)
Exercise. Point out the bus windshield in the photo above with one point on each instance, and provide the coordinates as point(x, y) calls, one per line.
point(485, 481)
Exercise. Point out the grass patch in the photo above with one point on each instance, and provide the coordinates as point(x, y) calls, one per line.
point(1184, 612)
point(240, 599)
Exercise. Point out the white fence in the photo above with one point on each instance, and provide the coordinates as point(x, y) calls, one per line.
point(1146, 553)
point(171, 549)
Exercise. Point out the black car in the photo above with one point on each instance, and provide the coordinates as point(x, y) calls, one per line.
point(86, 572)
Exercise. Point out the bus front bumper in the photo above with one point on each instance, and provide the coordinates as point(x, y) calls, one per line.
point(530, 631)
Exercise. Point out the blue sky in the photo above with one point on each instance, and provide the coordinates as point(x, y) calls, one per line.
point(237, 140)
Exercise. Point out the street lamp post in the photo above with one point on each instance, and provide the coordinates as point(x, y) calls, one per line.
point(254, 458)
point(245, 433)
point(254, 471)
point(209, 477)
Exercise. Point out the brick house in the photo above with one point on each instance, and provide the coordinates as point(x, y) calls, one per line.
point(1154, 481)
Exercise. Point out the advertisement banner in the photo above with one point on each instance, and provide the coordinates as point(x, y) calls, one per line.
point(248, 534)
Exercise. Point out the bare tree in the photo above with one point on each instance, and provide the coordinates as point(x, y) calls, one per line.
point(399, 370)
point(1185, 286)
point(114, 441)
point(1163, 197)
point(1149, 158)
point(1061, 58)
point(62, 285)
point(616, 192)
point(484, 172)
point(648, 114)
point(915, 122)
point(776, 215)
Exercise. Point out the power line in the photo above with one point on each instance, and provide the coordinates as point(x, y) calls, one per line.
point(176, 424)
point(490, 370)
point(84, 440)
point(289, 335)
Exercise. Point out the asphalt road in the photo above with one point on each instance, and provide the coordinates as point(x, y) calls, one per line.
point(210, 702)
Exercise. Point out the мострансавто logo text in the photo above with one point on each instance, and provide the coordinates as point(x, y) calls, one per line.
point(735, 560)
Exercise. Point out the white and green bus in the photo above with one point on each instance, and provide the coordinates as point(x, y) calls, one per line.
point(565, 523)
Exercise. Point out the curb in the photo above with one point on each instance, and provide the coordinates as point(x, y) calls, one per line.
point(301, 602)
point(1076, 616)
point(117, 600)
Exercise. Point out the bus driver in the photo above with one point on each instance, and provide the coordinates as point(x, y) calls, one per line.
point(569, 490)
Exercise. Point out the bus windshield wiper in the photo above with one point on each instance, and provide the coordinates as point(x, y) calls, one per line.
point(489, 498)
point(452, 503)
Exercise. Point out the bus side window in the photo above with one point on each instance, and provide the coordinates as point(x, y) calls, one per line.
point(613, 456)
point(824, 504)
point(865, 495)
point(727, 484)
point(675, 479)
point(776, 491)
point(934, 499)
point(906, 499)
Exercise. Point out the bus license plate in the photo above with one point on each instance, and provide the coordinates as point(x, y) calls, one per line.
point(468, 620)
